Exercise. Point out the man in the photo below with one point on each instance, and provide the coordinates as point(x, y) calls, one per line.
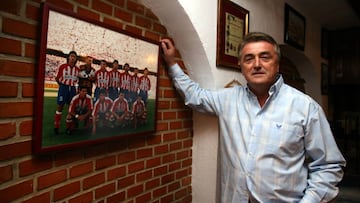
point(120, 111)
point(80, 110)
point(114, 83)
point(275, 142)
point(139, 112)
point(125, 82)
point(102, 111)
point(67, 78)
point(87, 75)
point(134, 85)
point(145, 86)
point(101, 80)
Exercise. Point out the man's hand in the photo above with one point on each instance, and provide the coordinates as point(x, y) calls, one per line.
point(169, 51)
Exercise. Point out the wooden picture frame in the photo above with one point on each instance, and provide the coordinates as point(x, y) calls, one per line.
point(64, 31)
point(232, 26)
point(295, 25)
point(324, 79)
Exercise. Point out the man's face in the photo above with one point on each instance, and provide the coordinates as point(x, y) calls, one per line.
point(259, 63)
point(102, 97)
point(72, 58)
point(89, 60)
point(83, 92)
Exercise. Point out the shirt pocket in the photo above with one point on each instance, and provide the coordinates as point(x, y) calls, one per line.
point(285, 139)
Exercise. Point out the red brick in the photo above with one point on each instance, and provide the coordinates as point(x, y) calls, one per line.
point(152, 184)
point(51, 179)
point(116, 173)
point(16, 191)
point(135, 7)
point(159, 28)
point(133, 30)
point(160, 170)
point(127, 181)
point(32, 12)
point(144, 198)
point(10, 46)
point(8, 130)
point(174, 186)
point(66, 190)
point(88, 14)
point(26, 128)
point(102, 7)
point(160, 192)
point(169, 115)
point(135, 167)
point(144, 153)
point(123, 15)
point(14, 68)
point(161, 149)
point(113, 23)
point(10, 87)
point(12, 7)
point(182, 155)
point(118, 197)
point(81, 169)
point(105, 162)
point(150, 163)
point(126, 157)
point(11, 151)
point(45, 197)
point(153, 36)
point(186, 181)
point(167, 198)
point(120, 3)
point(34, 165)
point(83, 197)
point(16, 109)
point(105, 190)
point(18, 28)
point(162, 126)
point(135, 190)
point(186, 162)
point(6, 173)
point(163, 105)
point(30, 50)
point(147, 175)
point(143, 22)
point(175, 146)
point(168, 158)
point(170, 93)
point(169, 137)
point(28, 89)
point(94, 180)
point(174, 166)
point(176, 125)
point(167, 178)
point(181, 193)
point(152, 140)
point(181, 174)
point(184, 114)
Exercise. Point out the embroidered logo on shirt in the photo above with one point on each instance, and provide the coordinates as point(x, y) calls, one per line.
point(278, 125)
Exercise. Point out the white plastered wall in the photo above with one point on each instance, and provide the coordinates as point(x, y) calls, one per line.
point(192, 25)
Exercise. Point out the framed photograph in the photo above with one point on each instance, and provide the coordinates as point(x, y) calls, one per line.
point(324, 79)
point(233, 25)
point(295, 25)
point(95, 83)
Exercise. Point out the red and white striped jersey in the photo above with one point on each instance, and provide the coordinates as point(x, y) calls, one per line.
point(102, 106)
point(68, 75)
point(134, 86)
point(80, 105)
point(102, 79)
point(145, 83)
point(138, 106)
point(114, 78)
point(125, 81)
point(120, 105)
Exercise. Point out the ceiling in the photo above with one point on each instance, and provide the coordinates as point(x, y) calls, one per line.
point(332, 14)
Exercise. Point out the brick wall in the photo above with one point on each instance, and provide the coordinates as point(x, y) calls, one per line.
point(154, 168)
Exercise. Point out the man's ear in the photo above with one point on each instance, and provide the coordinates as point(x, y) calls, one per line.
point(239, 64)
